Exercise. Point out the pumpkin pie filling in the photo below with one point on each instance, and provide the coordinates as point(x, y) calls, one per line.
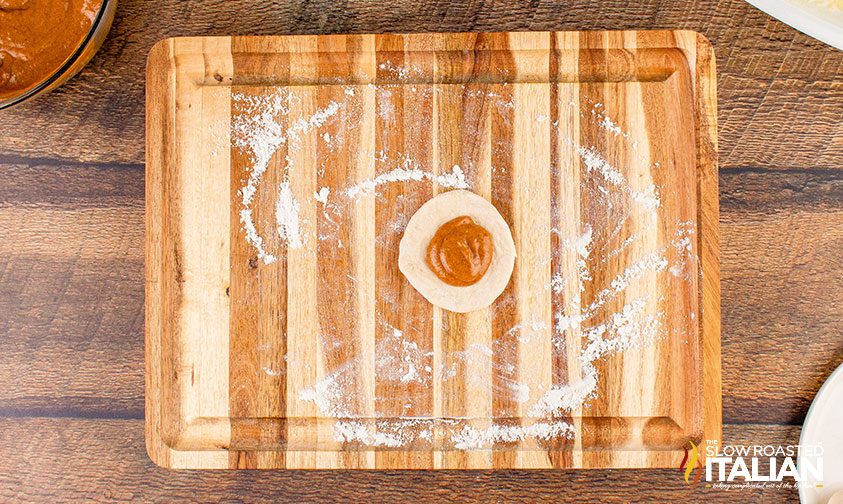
point(460, 252)
point(37, 37)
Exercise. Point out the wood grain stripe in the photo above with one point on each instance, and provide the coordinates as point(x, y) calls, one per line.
point(403, 315)
point(303, 350)
point(504, 318)
point(563, 119)
point(258, 323)
point(531, 200)
point(453, 327)
point(158, 247)
point(339, 280)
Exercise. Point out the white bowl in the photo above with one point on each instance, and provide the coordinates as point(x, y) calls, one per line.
point(817, 18)
point(822, 427)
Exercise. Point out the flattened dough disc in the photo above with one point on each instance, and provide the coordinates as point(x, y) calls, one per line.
point(420, 230)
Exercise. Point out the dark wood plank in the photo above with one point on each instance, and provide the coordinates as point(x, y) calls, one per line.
point(64, 460)
point(71, 291)
point(782, 238)
point(779, 90)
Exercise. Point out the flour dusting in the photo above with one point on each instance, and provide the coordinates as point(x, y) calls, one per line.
point(472, 438)
point(683, 244)
point(404, 365)
point(348, 431)
point(648, 198)
point(455, 179)
point(521, 392)
point(582, 243)
point(595, 162)
point(253, 237)
point(322, 195)
point(259, 130)
point(331, 393)
point(287, 217)
point(591, 317)
point(626, 329)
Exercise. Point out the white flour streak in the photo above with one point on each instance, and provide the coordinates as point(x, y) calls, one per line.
point(580, 244)
point(626, 329)
point(412, 374)
point(653, 262)
point(573, 318)
point(319, 118)
point(391, 433)
point(455, 179)
point(648, 198)
point(258, 131)
point(595, 162)
point(322, 195)
point(287, 217)
point(521, 392)
point(684, 247)
point(563, 398)
point(557, 283)
point(566, 322)
point(472, 438)
point(349, 431)
point(607, 124)
point(599, 111)
point(330, 395)
point(683, 241)
point(523, 333)
point(253, 237)
point(623, 246)
point(683, 244)
point(400, 359)
point(583, 273)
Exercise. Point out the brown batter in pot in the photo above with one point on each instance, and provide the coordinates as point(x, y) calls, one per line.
point(460, 252)
point(37, 37)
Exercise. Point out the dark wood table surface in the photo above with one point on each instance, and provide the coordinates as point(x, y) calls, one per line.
point(71, 253)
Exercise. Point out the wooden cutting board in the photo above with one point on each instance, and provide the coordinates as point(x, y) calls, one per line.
point(280, 174)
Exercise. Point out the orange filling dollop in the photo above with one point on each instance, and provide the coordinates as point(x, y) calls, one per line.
point(460, 252)
point(37, 37)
